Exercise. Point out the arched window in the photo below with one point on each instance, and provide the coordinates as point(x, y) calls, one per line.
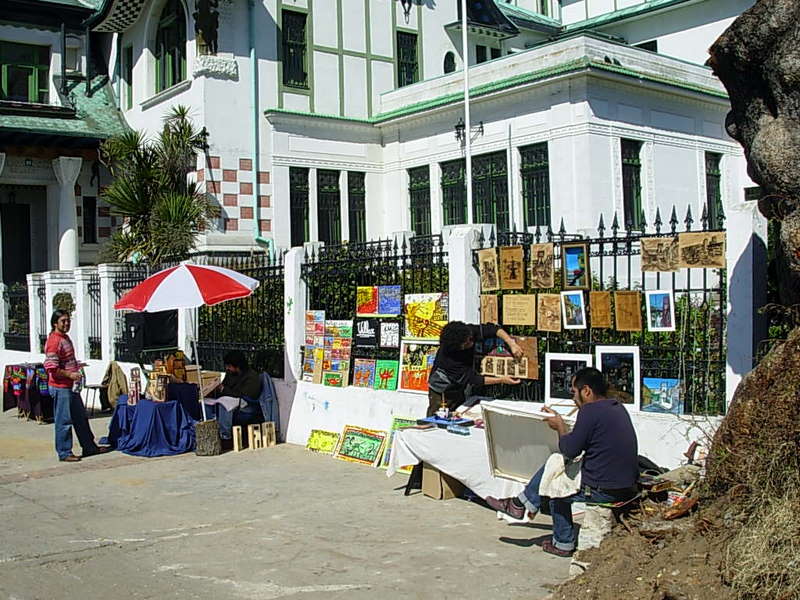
point(449, 62)
point(170, 46)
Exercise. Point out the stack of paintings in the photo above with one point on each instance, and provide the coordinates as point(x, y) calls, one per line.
point(313, 350)
point(336, 356)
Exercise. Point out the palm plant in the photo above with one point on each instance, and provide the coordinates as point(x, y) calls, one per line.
point(162, 211)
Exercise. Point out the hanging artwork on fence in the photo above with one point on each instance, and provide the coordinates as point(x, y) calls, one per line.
point(386, 372)
point(426, 315)
point(389, 334)
point(519, 309)
point(487, 267)
point(364, 372)
point(660, 254)
point(600, 310)
point(559, 371)
point(489, 309)
point(416, 361)
point(322, 442)
point(628, 311)
point(620, 365)
point(360, 445)
point(542, 272)
point(389, 300)
point(512, 268)
point(662, 395)
point(365, 334)
point(548, 312)
point(366, 300)
point(702, 250)
point(397, 424)
point(660, 310)
point(574, 309)
point(575, 266)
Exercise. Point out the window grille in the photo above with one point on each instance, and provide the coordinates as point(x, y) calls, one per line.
point(632, 183)
point(357, 206)
point(454, 192)
point(419, 193)
point(329, 213)
point(295, 68)
point(490, 190)
point(298, 205)
point(535, 171)
point(716, 212)
point(171, 46)
point(407, 66)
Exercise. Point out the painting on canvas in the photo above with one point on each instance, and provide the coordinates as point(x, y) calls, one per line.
point(386, 374)
point(548, 312)
point(489, 309)
point(366, 300)
point(620, 365)
point(628, 311)
point(559, 371)
point(322, 442)
point(575, 266)
point(397, 424)
point(660, 310)
point(333, 378)
point(389, 300)
point(364, 372)
point(702, 250)
point(315, 322)
point(360, 445)
point(487, 267)
point(416, 361)
point(389, 334)
point(426, 315)
point(662, 395)
point(574, 310)
point(542, 273)
point(600, 310)
point(366, 332)
point(512, 268)
point(659, 254)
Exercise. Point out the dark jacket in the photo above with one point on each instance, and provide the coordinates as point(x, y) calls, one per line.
point(458, 366)
point(240, 385)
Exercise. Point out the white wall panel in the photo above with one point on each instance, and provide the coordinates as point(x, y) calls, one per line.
point(353, 26)
point(326, 83)
point(355, 90)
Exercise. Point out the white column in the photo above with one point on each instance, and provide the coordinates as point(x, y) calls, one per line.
point(294, 305)
point(464, 288)
point(67, 169)
point(344, 205)
point(107, 312)
point(35, 325)
point(313, 220)
point(59, 282)
point(82, 317)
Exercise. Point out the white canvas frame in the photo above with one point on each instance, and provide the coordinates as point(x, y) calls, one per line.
point(403, 344)
point(599, 351)
point(564, 308)
point(561, 405)
point(671, 296)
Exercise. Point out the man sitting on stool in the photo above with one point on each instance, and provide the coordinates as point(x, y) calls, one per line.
point(240, 382)
point(604, 433)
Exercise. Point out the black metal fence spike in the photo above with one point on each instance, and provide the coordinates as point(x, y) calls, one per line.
point(404, 245)
point(562, 231)
point(601, 226)
point(657, 222)
point(688, 220)
point(615, 224)
point(549, 233)
point(305, 254)
point(481, 237)
point(538, 234)
point(704, 218)
point(492, 238)
point(673, 220)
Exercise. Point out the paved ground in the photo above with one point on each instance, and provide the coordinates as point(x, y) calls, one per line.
point(274, 523)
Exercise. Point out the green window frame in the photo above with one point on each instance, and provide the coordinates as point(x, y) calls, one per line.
point(714, 207)
point(329, 207)
point(535, 171)
point(490, 190)
point(170, 49)
point(24, 72)
point(632, 183)
point(294, 43)
point(357, 206)
point(127, 75)
point(454, 192)
point(298, 205)
point(407, 59)
point(480, 53)
point(419, 194)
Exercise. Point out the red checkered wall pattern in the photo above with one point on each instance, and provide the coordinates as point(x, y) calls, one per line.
point(234, 190)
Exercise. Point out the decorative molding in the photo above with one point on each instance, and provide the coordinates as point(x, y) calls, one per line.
point(176, 89)
point(67, 169)
point(321, 163)
point(216, 67)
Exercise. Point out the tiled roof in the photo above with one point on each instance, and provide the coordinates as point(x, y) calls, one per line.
point(96, 116)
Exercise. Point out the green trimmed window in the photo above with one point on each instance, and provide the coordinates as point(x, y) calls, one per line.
point(170, 46)
point(127, 75)
point(329, 207)
point(490, 190)
point(632, 183)
point(419, 193)
point(357, 206)
point(407, 62)
point(298, 205)
point(480, 54)
point(24, 72)
point(454, 192)
point(716, 213)
point(535, 171)
point(295, 61)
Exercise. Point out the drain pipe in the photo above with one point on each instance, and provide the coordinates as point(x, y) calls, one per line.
point(259, 239)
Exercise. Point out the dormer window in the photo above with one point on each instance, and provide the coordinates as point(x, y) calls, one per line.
point(72, 60)
point(24, 72)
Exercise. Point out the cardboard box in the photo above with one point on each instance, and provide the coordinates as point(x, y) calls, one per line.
point(438, 485)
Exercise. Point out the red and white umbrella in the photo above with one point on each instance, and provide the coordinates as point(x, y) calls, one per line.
point(187, 286)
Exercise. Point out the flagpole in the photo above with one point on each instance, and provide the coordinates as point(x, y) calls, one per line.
point(467, 122)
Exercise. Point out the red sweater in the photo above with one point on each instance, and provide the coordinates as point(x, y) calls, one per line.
point(59, 354)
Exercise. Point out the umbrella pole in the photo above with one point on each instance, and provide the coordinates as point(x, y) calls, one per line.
point(196, 358)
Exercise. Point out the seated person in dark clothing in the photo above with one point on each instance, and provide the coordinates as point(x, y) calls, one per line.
point(604, 433)
point(453, 374)
point(240, 382)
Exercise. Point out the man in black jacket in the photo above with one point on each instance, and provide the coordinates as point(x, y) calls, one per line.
point(240, 382)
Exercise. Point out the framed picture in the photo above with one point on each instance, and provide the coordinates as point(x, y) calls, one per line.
point(386, 375)
point(512, 268)
point(548, 312)
point(573, 308)
point(489, 270)
point(620, 365)
point(542, 275)
point(662, 395)
point(364, 372)
point(660, 310)
point(659, 254)
point(416, 362)
point(559, 371)
point(426, 315)
point(360, 445)
point(702, 250)
point(322, 442)
point(575, 266)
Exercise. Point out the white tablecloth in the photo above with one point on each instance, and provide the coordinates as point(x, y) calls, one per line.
point(461, 456)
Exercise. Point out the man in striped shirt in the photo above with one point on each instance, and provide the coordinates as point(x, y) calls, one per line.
point(63, 371)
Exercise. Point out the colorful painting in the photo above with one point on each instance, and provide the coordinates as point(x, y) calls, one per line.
point(702, 250)
point(628, 311)
point(660, 255)
point(574, 309)
point(559, 371)
point(339, 329)
point(334, 378)
point(662, 395)
point(600, 310)
point(519, 309)
point(322, 442)
point(315, 322)
point(364, 372)
point(366, 300)
point(389, 334)
point(660, 310)
point(489, 272)
point(366, 332)
point(426, 315)
point(548, 312)
point(575, 266)
point(397, 424)
point(542, 273)
point(512, 268)
point(620, 365)
point(386, 374)
point(416, 362)
point(489, 309)
point(389, 300)
point(360, 445)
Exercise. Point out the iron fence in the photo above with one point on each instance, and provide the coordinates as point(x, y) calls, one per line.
point(254, 324)
point(93, 322)
point(695, 353)
point(17, 333)
point(125, 279)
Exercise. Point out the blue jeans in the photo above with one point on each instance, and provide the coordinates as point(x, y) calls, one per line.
point(69, 413)
point(226, 418)
point(564, 537)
